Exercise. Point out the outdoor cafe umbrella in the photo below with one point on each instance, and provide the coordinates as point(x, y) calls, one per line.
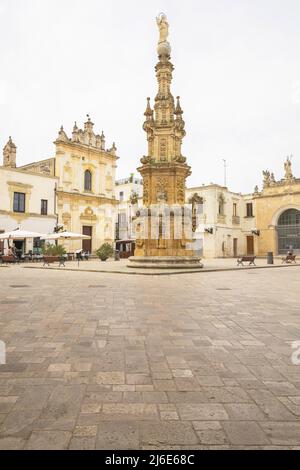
point(66, 235)
point(19, 235)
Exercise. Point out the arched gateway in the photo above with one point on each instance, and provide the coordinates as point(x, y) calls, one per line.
point(288, 231)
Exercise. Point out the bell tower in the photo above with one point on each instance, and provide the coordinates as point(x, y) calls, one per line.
point(10, 154)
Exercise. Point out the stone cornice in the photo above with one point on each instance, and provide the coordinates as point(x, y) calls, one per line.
point(87, 149)
point(25, 172)
point(88, 197)
point(282, 194)
point(27, 214)
point(18, 184)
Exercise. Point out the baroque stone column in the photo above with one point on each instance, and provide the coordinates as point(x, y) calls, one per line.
point(161, 238)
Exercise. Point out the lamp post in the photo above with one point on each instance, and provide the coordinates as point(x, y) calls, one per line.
point(225, 171)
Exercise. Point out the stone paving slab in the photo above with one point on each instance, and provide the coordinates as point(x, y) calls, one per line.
point(105, 361)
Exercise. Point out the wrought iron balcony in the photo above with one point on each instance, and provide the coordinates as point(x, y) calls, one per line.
point(236, 220)
point(221, 219)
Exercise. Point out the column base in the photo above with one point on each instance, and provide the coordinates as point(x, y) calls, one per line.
point(164, 262)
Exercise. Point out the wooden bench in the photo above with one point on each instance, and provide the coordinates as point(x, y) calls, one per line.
point(9, 259)
point(289, 259)
point(246, 259)
point(54, 259)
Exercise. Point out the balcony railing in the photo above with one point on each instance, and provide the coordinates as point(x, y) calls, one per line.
point(236, 220)
point(221, 219)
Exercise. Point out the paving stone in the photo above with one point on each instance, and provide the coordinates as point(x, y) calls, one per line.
point(164, 385)
point(271, 406)
point(104, 396)
point(19, 423)
point(111, 378)
point(210, 380)
point(85, 431)
point(187, 384)
point(212, 437)
point(140, 379)
point(182, 373)
point(187, 397)
point(117, 435)
point(282, 388)
point(287, 433)
point(207, 425)
point(226, 395)
point(244, 411)
point(245, 433)
point(33, 398)
point(128, 411)
point(12, 443)
point(7, 403)
point(59, 367)
point(206, 411)
point(91, 408)
point(48, 440)
point(167, 434)
point(82, 443)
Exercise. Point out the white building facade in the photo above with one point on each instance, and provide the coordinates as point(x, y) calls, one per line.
point(27, 199)
point(226, 221)
point(129, 193)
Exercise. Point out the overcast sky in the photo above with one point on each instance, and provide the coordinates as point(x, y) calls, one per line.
point(237, 70)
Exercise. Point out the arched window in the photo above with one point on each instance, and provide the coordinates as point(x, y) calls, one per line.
point(87, 180)
point(288, 230)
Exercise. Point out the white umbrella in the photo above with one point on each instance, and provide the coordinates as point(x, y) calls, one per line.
point(19, 235)
point(66, 235)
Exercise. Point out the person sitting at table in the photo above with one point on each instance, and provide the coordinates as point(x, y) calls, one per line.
point(79, 254)
point(11, 251)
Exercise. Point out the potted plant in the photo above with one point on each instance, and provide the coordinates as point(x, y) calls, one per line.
point(53, 253)
point(105, 251)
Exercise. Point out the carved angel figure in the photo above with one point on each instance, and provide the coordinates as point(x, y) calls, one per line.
point(288, 168)
point(267, 178)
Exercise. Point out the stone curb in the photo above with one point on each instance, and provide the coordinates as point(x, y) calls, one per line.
point(171, 273)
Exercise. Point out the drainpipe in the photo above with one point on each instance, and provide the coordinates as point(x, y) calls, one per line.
point(55, 198)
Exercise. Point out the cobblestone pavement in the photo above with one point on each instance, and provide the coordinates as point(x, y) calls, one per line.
point(106, 361)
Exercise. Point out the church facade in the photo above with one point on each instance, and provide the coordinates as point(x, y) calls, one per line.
point(278, 213)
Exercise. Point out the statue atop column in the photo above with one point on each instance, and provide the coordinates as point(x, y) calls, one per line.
point(163, 48)
point(163, 27)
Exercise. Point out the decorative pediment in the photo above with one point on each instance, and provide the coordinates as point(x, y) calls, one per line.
point(196, 199)
point(88, 214)
point(16, 185)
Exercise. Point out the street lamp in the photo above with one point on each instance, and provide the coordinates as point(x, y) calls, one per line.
point(255, 231)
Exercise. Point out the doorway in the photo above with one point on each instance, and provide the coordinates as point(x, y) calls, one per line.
point(250, 245)
point(87, 244)
point(235, 247)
